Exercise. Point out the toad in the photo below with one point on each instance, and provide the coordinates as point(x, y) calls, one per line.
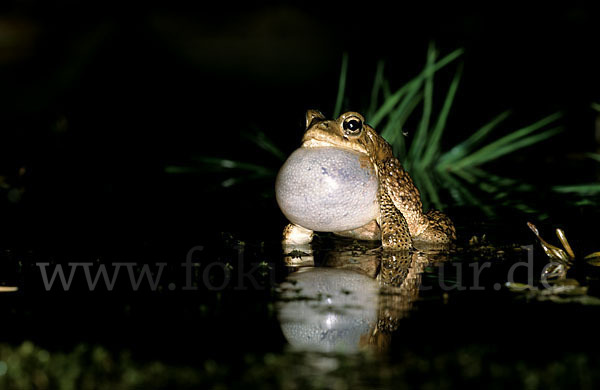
point(345, 179)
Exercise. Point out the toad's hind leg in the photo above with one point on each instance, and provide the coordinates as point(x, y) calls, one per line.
point(433, 227)
point(395, 234)
point(440, 228)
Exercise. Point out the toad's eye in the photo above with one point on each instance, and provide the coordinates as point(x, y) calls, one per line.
point(352, 125)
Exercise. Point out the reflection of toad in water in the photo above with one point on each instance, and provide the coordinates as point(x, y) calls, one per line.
point(354, 301)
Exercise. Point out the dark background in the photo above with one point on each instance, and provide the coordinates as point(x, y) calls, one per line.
point(97, 98)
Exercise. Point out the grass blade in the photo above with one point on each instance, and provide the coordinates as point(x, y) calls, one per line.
point(525, 130)
point(407, 107)
point(594, 156)
point(580, 189)
point(386, 89)
point(435, 140)
point(341, 86)
point(466, 175)
point(389, 104)
point(460, 151)
point(431, 190)
point(494, 146)
point(393, 99)
point(497, 149)
point(262, 141)
point(377, 85)
point(500, 181)
point(234, 181)
point(393, 129)
point(179, 169)
point(459, 191)
point(217, 164)
point(419, 140)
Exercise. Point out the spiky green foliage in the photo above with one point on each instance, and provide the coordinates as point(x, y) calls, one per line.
point(424, 157)
point(433, 167)
point(341, 86)
point(586, 189)
point(235, 172)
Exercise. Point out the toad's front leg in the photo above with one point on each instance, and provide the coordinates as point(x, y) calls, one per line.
point(370, 232)
point(296, 235)
point(296, 246)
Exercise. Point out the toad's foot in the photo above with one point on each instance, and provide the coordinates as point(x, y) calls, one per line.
point(440, 229)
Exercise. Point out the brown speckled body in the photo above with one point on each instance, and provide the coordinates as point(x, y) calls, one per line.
point(401, 219)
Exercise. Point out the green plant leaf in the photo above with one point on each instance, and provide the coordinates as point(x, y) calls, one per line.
point(232, 181)
point(431, 190)
point(461, 193)
point(341, 87)
point(404, 111)
point(499, 181)
point(394, 98)
point(434, 146)
point(580, 189)
point(392, 131)
point(223, 164)
point(265, 143)
point(419, 141)
point(462, 149)
point(594, 156)
point(509, 143)
point(377, 86)
point(395, 125)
